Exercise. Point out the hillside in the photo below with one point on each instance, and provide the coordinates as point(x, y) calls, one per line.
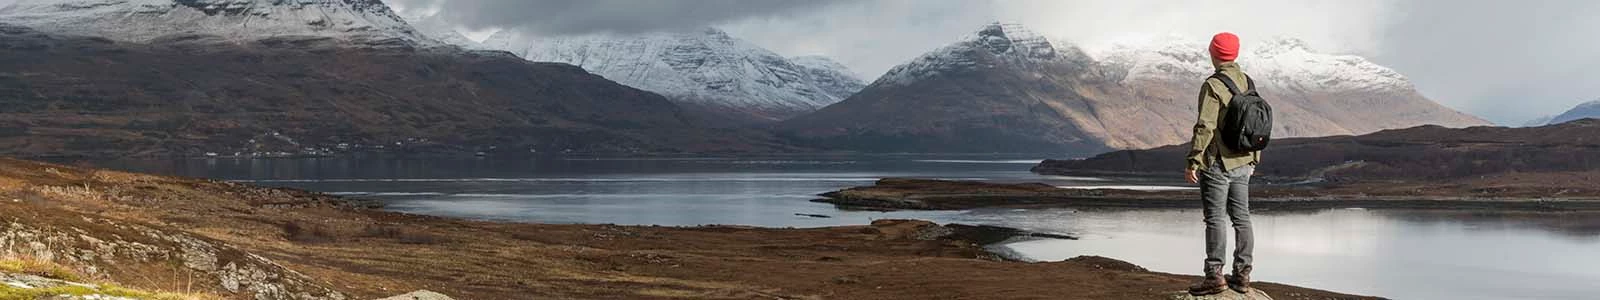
point(314, 77)
point(1585, 110)
point(1426, 154)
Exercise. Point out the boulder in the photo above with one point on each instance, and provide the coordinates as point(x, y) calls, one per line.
point(1254, 294)
point(420, 295)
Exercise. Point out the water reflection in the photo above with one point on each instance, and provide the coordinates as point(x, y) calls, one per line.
point(1399, 254)
point(1391, 253)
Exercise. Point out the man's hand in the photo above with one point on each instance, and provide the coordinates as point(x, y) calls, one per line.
point(1191, 176)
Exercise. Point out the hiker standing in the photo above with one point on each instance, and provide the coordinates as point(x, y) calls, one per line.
point(1222, 161)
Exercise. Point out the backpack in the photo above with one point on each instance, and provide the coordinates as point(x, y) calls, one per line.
point(1247, 125)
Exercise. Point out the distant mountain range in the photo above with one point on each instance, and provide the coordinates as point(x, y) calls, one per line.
point(216, 77)
point(1005, 89)
point(352, 21)
point(1585, 110)
point(111, 78)
point(705, 69)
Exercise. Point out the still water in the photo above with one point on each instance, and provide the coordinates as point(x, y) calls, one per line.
point(1401, 254)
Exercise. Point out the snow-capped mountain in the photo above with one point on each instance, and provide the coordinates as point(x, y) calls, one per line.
point(1007, 44)
point(832, 76)
point(1005, 89)
point(707, 69)
point(364, 21)
point(436, 28)
point(1286, 63)
point(1323, 94)
point(1589, 109)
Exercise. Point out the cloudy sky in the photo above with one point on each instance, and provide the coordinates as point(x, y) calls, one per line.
point(1506, 61)
point(1503, 60)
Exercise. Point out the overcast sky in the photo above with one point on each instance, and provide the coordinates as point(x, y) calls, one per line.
point(1506, 61)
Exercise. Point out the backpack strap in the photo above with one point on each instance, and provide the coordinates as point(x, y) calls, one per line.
point(1234, 88)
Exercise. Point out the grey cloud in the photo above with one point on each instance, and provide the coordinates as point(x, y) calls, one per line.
point(616, 16)
point(1505, 61)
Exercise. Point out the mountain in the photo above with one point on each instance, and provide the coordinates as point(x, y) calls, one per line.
point(1005, 89)
point(359, 21)
point(436, 28)
point(997, 90)
point(1589, 109)
point(1313, 93)
point(186, 94)
point(705, 69)
point(1540, 121)
point(833, 77)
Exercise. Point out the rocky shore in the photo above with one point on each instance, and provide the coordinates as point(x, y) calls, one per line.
point(236, 241)
point(923, 194)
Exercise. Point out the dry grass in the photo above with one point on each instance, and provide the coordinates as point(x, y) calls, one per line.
point(52, 270)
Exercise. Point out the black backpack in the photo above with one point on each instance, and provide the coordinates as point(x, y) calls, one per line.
point(1247, 124)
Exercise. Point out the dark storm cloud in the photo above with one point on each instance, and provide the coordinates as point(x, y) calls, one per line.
point(619, 16)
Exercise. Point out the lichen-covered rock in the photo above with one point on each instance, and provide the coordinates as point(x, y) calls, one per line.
point(23, 285)
point(103, 242)
point(1254, 294)
point(420, 295)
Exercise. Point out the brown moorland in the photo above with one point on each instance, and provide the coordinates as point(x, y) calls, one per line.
point(242, 241)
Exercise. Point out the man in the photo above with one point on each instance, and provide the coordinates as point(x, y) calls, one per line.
point(1223, 175)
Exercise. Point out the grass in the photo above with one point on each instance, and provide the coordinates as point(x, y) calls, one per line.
point(39, 268)
point(22, 265)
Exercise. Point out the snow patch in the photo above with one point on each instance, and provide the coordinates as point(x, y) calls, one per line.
point(706, 67)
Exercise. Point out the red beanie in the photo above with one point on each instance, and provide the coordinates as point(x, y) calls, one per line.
point(1225, 46)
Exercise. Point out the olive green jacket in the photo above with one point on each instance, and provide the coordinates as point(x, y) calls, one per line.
point(1214, 99)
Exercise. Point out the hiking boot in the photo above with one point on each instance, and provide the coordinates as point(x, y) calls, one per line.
point(1240, 280)
point(1213, 283)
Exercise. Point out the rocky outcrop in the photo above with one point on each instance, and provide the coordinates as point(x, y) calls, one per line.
point(108, 247)
point(420, 295)
point(1225, 295)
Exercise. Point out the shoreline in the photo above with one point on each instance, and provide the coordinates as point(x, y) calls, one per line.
point(243, 241)
point(926, 194)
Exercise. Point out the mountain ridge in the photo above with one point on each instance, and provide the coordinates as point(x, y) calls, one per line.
point(1042, 96)
point(1581, 111)
point(367, 22)
point(191, 93)
point(706, 68)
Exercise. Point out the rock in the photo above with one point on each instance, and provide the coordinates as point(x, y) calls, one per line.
point(1106, 263)
point(420, 295)
point(1254, 294)
point(33, 282)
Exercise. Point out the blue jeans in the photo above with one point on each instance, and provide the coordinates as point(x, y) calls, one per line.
point(1227, 192)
